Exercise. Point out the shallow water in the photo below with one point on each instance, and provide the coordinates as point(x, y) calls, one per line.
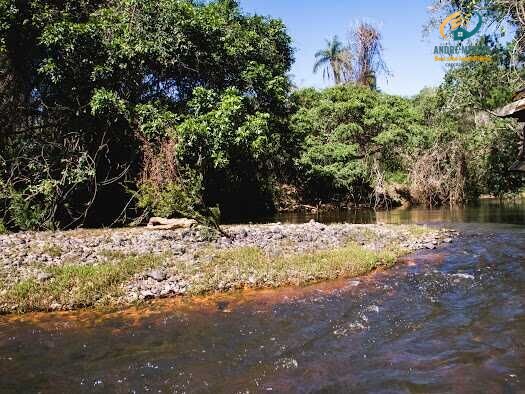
point(445, 320)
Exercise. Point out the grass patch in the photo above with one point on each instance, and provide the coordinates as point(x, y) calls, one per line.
point(78, 285)
point(251, 267)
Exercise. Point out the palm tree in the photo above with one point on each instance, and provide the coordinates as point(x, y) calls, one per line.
point(335, 60)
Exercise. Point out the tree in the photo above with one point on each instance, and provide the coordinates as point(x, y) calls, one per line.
point(335, 60)
point(470, 151)
point(368, 54)
point(361, 61)
point(350, 133)
point(88, 84)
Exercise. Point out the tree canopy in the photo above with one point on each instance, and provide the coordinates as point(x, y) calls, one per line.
point(111, 111)
point(349, 131)
point(87, 83)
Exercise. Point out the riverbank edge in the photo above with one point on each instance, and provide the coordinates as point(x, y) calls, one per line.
point(257, 256)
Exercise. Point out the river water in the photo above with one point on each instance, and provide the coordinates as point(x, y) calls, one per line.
point(444, 320)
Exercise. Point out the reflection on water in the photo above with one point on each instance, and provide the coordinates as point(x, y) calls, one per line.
point(485, 211)
point(447, 320)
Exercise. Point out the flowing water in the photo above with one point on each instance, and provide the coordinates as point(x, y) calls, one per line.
point(444, 320)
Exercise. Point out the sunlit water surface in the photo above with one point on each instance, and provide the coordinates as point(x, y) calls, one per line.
point(444, 320)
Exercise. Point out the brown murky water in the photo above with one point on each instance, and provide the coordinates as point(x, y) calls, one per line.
point(446, 320)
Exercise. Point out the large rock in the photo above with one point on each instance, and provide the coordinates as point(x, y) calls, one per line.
point(170, 224)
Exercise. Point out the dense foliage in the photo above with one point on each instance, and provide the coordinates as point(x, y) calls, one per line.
point(461, 114)
point(86, 85)
point(443, 146)
point(355, 139)
point(111, 111)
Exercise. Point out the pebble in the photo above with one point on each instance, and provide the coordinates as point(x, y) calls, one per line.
point(373, 308)
point(464, 276)
point(43, 276)
point(146, 295)
point(157, 275)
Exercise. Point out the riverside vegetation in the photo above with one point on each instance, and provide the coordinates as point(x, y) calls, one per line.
point(111, 111)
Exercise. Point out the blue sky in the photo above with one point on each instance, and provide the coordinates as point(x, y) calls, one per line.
point(408, 55)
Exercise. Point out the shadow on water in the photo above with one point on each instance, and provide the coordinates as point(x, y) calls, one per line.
point(446, 320)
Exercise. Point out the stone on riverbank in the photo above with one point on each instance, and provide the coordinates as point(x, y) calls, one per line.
point(157, 275)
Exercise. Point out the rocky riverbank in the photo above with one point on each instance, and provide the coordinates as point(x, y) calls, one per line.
point(82, 268)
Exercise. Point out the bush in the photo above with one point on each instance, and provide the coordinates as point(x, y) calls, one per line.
point(439, 175)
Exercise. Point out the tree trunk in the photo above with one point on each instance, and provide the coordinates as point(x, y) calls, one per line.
point(521, 154)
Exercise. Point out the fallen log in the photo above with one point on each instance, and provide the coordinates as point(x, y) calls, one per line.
point(157, 223)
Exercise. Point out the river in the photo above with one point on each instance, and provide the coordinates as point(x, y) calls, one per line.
point(445, 320)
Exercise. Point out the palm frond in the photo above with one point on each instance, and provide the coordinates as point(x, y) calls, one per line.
point(320, 63)
point(336, 60)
